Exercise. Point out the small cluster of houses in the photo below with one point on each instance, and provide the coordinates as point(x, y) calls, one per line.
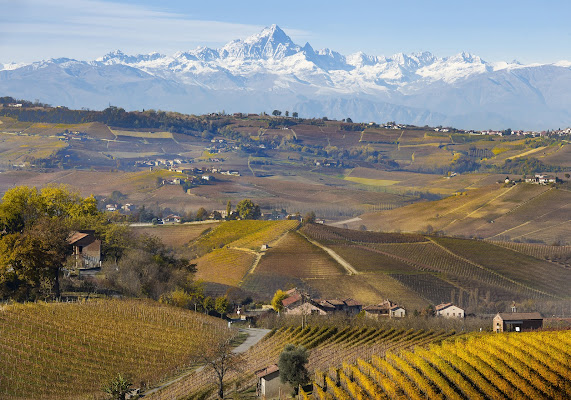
point(163, 162)
point(541, 179)
point(558, 132)
point(125, 208)
point(299, 303)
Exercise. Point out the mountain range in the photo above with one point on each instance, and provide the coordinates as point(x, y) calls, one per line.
point(269, 71)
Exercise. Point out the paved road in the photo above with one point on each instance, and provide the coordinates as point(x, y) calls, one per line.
point(254, 336)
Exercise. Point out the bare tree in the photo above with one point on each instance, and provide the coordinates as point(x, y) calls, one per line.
point(217, 355)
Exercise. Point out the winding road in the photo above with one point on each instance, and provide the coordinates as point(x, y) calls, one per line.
point(254, 336)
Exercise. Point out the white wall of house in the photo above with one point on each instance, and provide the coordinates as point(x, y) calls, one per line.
point(451, 312)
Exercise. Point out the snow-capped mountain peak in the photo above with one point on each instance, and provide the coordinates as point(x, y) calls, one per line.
point(268, 68)
point(272, 43)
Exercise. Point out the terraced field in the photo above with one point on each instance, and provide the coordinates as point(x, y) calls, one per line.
point(249, 234)
point(225, 266)
point(175, 235)
point(534, 273)
point(292, 262)
point(559, 254)
point(434, 270)
point(466, 274)
point(491, 366)
point(69, 350)
point(296, 257)
point(328, 347)
point(523, 211)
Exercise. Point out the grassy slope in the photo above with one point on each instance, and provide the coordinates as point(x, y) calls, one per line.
point(175, 235)
point(440, 269)
point(69, 350)
point(229, 251)
point(521, 211)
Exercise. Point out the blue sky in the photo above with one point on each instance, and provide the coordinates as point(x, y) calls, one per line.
point(499, 30)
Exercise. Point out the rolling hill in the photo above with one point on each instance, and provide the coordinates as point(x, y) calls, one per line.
point(523, 212)
point(414, 270)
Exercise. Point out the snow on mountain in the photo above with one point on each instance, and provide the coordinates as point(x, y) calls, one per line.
point(271, 43)
point(269, 70)
point(11, 66)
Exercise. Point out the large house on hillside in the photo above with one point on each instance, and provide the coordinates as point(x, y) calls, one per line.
point(517, 322)
point(86, 249)
point(449, 310)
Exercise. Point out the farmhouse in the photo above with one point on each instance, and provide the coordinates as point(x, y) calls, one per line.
point(306, 309)
point(293, 300)
point(298, 303)
point(517, 322)
point(348, 306)
point(86, 249)
point(385, 309)
point(269, 385)
point(540, 179)
point(449, 310)
point(172, 219)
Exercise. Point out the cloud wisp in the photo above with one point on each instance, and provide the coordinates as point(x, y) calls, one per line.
point(83, 29)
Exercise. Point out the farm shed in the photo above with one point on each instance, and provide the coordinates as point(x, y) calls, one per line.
point(269, 385)
point(517, 322)
point(86, 249)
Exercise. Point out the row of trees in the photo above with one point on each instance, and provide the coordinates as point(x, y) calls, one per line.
point(277, 113)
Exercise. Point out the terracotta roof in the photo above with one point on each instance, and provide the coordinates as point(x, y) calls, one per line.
point(76, 237)
point(520, 316)
point(335, 302)
point(327, 306)
point(266, 371)
point(396, 307)
point(352, 303)
point(291, 299)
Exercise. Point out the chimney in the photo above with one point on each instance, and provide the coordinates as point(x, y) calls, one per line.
point(513, 307)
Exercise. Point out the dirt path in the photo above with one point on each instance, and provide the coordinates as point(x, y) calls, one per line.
point(347, 221)
point(348, 267)
point(254, 336)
